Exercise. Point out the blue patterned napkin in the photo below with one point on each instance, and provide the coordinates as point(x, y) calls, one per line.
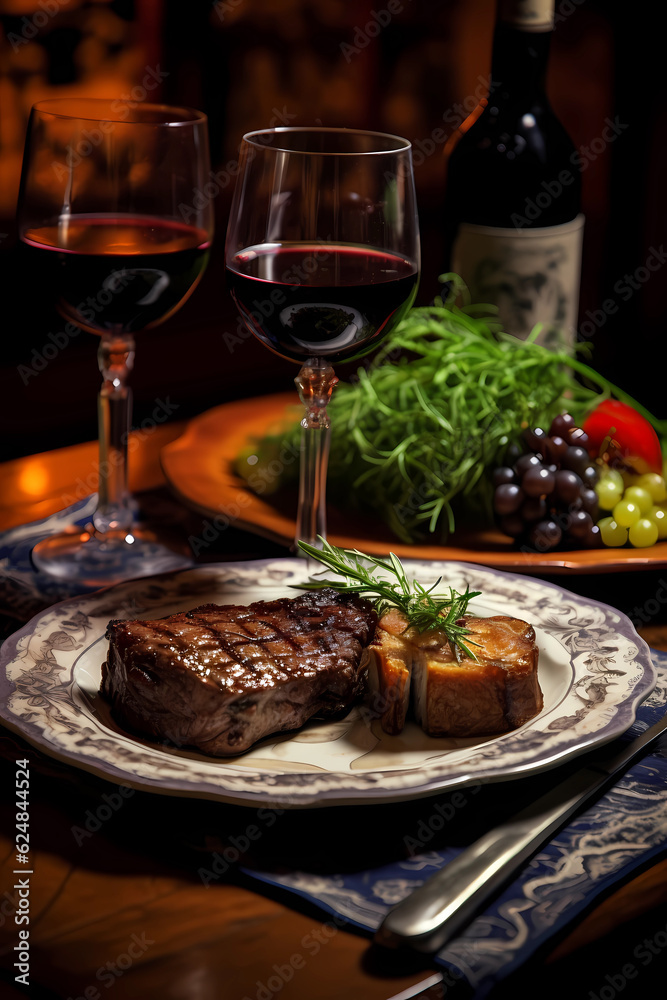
point(24, 591)
point(600, 848)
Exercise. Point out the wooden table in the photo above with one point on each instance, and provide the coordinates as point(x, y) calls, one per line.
point(123, 910)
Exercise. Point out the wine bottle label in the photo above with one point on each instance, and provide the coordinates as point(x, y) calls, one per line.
point(531, 275)
point(529, 15)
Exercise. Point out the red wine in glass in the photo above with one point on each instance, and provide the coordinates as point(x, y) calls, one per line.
point(321, 300)
point(322, 260)
point(118, 235)
point(118, 272)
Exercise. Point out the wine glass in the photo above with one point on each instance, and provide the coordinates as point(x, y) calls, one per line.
point(113, 215)
point(322, 260)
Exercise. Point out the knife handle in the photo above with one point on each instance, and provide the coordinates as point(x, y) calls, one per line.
point(447, 901)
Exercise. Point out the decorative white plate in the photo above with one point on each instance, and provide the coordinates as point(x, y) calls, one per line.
point(594, 671)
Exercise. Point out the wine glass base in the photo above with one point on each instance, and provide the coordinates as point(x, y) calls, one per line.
point(88, 560)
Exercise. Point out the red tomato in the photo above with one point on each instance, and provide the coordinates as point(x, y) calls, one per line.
point(632, 436)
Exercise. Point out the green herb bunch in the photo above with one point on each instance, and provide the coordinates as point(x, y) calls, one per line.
point(416, 437)
point(423, 609)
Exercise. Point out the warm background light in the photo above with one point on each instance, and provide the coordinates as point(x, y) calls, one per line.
point(34, 479)
point(253, 63)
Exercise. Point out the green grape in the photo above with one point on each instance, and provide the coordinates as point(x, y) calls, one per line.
point(653, 484)
point(659, 516)
point(609, 492)
point(641, 497)
point(614, 476)
point(626, 513)
point(643, 533)
point(612, 534)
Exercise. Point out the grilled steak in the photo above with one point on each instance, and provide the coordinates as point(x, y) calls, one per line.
point(221, 677)
point(451, 696)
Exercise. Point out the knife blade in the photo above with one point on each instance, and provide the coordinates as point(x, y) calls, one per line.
point(435, 912)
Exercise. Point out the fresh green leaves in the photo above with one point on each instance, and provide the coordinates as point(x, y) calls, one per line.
point(417, 435)
point(422, 608)
point(415, 439)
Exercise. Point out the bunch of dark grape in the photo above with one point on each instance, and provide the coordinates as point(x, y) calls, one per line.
point(546, 499)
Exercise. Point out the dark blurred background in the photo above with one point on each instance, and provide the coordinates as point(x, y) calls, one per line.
point(250, 63)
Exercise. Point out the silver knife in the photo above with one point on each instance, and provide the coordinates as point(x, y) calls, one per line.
point(436, 911)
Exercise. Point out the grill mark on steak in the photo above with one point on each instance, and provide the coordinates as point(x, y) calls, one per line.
point(278, 632)
point(248, 638)
point(323, 643)
point(297, 619)
point(165, 631)
point(231, 649)
point(321, 639)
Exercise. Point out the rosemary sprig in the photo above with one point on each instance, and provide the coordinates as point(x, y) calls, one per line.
point(422, 608)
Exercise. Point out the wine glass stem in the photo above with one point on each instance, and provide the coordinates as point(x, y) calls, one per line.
point(315, 383)
point(116, 359)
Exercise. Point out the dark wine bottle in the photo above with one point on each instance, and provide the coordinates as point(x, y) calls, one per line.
point(513, 224)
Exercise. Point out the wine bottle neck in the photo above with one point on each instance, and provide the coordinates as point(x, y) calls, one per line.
point(519, 61)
